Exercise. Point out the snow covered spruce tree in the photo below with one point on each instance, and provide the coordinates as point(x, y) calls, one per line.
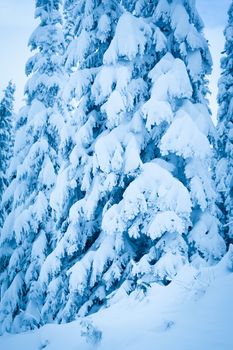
point(6, 140)
point(89, 29)
point(224, 169)
point(27, 234)
point(135, 200)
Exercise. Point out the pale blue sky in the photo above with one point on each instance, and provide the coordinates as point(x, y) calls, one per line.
point(17, 23)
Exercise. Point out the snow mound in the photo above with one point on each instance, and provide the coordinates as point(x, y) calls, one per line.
point(195, 311)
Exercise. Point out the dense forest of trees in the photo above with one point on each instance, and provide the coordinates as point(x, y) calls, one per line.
point(112, 175)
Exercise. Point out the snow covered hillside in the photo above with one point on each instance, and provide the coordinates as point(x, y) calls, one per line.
point(194, 312)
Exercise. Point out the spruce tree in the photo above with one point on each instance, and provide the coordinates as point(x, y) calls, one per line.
point(135, 200)
point(27, 234)
point(6, 140)
point(224, 169)
point(89, 29)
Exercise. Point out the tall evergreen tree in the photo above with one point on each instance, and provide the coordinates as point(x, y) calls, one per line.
point(89, 29)
point(27, 233)
point(6, 140)
point(135, 200)
point(224, 169)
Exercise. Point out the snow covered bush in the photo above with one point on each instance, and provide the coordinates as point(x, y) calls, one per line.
point(91, 333)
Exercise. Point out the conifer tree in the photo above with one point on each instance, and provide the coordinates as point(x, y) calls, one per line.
point(27, 234)
point(135, 200)
point(6, 140)
point(224, 169)
point(89, 29)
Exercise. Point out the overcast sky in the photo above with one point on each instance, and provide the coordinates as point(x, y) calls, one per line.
point(17, 23)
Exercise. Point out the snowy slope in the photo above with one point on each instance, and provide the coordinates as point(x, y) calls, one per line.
point(195, 312)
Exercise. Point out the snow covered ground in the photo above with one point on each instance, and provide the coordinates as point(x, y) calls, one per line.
point(194, 312)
